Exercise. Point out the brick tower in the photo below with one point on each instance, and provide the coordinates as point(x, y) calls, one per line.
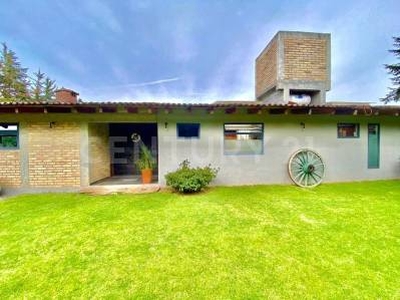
point(292, 65)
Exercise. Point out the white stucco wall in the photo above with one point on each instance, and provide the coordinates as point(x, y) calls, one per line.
point(345, 159)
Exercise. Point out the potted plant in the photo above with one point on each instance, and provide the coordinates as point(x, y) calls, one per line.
point(146, 163)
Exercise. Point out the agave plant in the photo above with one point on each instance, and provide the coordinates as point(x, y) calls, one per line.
point(146, 159)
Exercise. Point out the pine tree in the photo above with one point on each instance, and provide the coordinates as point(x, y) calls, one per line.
point(37, 86)
point(394, 69)
point(16, 85)
point(13, 78)
point(49, 89)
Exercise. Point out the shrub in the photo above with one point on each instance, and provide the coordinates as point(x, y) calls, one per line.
point(190, 180)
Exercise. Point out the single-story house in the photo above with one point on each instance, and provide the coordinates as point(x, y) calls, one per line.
point(68, 143)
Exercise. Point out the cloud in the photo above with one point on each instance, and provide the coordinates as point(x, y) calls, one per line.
point(71, 62)
point(140, 84)
point(183, 42)
point(155, 82)
point(183, 31)
point(102, 14)
point(155, 90)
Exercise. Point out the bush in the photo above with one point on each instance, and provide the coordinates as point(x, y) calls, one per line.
point(190, 180)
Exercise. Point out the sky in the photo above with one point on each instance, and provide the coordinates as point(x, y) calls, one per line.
point(193, 50)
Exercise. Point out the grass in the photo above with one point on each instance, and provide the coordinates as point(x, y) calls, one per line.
point(277, 242)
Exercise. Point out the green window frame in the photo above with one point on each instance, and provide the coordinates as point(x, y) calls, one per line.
point(9, 136)
point(348, 130)
point(243, 138)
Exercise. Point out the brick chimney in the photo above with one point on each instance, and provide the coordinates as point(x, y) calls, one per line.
point(66, 96)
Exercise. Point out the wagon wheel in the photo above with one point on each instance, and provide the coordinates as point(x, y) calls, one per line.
point(306, 168)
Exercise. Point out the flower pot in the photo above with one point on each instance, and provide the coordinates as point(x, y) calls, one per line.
point(147, 175)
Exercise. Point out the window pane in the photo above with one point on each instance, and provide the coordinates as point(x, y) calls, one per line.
point(8, 136)
point(243, 138)
point(348, 130)
point(188, 130)
point(8, 141)
point(8, 127)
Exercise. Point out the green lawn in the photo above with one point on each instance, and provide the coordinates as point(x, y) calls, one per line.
point(279, 242)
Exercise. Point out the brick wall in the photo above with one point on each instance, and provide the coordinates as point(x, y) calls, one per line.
point(305, 59)
point(54, 154)
point(10, 170)
point(99, 153)
point(266, 68)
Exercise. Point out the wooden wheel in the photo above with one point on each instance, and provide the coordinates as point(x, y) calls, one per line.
point(306, 168)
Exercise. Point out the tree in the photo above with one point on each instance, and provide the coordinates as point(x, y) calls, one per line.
point(394, 69)
point(37, 86)
point(17, 85)
point(42, 87)
point(13, 78)
point(49, 89)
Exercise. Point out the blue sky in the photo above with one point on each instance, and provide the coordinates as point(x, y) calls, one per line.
point(193, 50)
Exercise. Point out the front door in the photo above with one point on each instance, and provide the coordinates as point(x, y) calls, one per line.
point(373, 146)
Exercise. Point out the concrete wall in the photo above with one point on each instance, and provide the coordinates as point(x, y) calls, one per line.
point(99, 152)
point(345, 159)
point(62, 155)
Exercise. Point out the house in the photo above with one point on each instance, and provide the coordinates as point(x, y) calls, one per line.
point(73, 144)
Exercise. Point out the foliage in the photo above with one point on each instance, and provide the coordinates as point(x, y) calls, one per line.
point(13, 78)
point(42, 87)
point(337, 241)
point(146, 159)
point(49, 89)
point(394, 69)
point(17, 85)
point(190, 180)
point(37, 85)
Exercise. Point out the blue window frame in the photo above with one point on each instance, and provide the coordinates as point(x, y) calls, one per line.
point(188, 130)
point(243, 138)
point(8, 136)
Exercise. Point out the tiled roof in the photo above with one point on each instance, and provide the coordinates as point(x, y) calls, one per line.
point(345, 108)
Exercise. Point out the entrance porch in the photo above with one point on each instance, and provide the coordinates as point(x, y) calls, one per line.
point(113, 152)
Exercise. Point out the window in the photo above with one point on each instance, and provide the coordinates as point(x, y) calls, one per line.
point(348, 130)
point(188, 130)
point(8, 136)
point(243, 138)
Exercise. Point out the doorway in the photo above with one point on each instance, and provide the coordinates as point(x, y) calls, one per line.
point(373, 146)
point(125, 140)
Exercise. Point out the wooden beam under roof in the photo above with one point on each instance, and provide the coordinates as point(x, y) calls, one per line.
point(132, 109)
point(254, 110)
point(230, 110)
point(210, 110)
point(86, 109)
